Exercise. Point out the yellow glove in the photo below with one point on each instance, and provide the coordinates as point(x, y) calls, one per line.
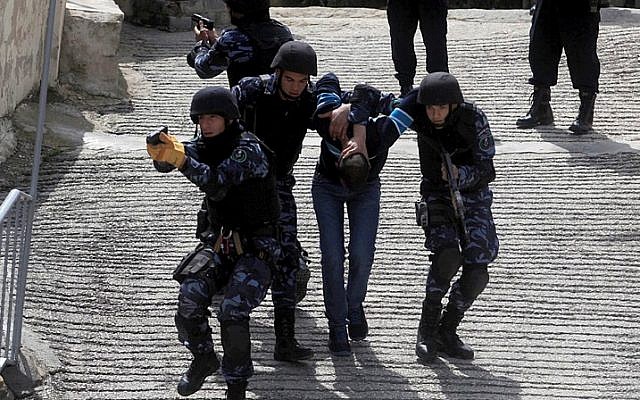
point(170, 150)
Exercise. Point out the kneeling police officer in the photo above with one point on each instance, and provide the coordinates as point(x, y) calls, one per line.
point(237, 226)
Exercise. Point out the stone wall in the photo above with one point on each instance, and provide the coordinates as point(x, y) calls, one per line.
point(23, 26)
point(173, 15)
point(90, 42)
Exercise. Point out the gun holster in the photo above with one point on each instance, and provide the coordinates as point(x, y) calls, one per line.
point(203, 263)
point(422, 213)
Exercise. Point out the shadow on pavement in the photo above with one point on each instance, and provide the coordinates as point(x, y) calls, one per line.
point(595, 150)
point(458, 378)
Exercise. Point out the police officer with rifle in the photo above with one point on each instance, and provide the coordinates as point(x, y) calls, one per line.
point(238, 232)
point(456, 152)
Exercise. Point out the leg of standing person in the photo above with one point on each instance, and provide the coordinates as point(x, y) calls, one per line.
point(580, 37)
point(247, 288)
point(283, 286)
point(192, 323)
point(402, 16)
point(545, 50)
point(328, 202)
point(433, 26)
point(441, 240)
point(477, 254)
point(363, 209)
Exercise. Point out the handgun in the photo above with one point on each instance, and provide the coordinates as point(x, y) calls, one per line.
point(206, 22)
point(154, 138)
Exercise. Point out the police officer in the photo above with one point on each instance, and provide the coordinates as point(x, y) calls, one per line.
point(446, 124)
point(238, 231)
point(278, 109)
point(403, 17)
point(571, 25)
point(246, 50)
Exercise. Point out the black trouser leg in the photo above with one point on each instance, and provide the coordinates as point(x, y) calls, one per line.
point(402, 16)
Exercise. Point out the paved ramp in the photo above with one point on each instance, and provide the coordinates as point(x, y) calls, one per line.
point(559, 319)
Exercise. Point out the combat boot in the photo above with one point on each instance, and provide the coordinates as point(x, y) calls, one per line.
point(287, 347)
point(583, 123)
point(540, 112)
point(405, 88)
point(236, 390)
point(448, 340)
point(203, 365)
point(426, 344)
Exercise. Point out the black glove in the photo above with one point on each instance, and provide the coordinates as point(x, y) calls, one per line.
point(364, 103)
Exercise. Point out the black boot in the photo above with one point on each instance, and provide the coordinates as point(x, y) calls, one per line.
point(237, 390)
point(448, 340)
point(540, 112)
point(287, 347)
point(426, 344)
point(405, 88)
point(339, 342)
point(202, 366)
point(583, 123)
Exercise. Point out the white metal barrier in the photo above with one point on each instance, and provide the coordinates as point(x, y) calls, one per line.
point(14, 257)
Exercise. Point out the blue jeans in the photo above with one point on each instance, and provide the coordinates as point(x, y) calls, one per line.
point(363, 210)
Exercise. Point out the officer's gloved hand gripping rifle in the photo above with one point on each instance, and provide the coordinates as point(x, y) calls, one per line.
point(456, 198)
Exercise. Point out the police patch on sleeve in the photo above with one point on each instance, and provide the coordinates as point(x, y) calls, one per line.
point(486, 141)
point(239, 155)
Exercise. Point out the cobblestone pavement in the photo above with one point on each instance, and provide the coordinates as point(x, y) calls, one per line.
point(559, 319)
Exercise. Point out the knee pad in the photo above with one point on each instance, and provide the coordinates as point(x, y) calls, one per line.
point(445, 263)
point(194, 299)
point(473, 280)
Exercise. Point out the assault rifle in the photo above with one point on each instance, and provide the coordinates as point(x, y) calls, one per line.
point(456, 199)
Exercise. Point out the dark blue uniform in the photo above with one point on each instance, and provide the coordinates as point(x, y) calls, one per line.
point(403, 17)
point(468, 138)
point(243, 51)
point(237, 227)
point(282, 125)
point(571, 25)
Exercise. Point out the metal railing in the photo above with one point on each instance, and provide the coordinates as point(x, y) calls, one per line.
point(16, 223)
point(14, 257)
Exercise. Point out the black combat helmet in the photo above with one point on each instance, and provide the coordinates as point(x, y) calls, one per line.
point(214, 100)
point(248, 6)
point(296, 56)
point(439, 88)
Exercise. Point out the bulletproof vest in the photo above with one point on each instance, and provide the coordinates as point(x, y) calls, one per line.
point(457, 137)
point(266, 37)
point(252, 204)
point(282, 125)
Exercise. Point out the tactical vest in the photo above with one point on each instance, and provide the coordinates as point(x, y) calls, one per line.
point(281, 125)
point(265, 37)
point(457, 137)
point(253, 204)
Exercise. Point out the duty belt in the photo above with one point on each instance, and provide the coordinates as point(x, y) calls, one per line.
point(227, 240)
